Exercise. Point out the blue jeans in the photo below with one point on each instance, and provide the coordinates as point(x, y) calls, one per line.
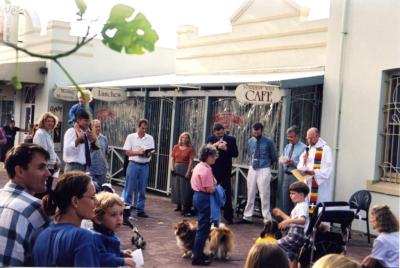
point(201, 202)
point(136, 183)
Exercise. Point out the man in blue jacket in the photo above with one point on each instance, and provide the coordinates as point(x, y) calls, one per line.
point(222, 169)
point(262, 155)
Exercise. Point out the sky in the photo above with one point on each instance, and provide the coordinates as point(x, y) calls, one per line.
point(210, 16)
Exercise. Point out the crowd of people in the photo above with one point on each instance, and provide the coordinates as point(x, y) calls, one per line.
point(40, 217)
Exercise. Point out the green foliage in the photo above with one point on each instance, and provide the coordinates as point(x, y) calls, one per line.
point(16, 83)
point(134, 36)
point(81, 6)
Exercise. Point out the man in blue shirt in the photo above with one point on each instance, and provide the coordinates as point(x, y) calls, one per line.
point(290, 160)
point(262, 155)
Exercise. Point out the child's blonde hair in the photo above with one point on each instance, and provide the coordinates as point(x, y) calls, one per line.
point(386, 222)
point(106, 200)
point(87, 95)
point(336, 260)
point(266, 255)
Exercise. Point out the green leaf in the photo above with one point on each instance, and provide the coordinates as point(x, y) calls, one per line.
point(131, 36)
point(16, 83)
point(81, 6)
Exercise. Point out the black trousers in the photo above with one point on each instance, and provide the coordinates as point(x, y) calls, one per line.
point(225, 182)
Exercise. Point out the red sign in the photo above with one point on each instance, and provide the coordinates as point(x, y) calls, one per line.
point(227, 119)
point(104, 114)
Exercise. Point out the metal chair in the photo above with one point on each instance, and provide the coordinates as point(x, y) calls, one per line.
point(360, 201)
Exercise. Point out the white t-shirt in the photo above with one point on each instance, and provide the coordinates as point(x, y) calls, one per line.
point(72, 153)
point(386, 249)
point(134, 142)
point(300, 210)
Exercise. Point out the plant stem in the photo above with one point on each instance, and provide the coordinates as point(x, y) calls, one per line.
point(68, 75)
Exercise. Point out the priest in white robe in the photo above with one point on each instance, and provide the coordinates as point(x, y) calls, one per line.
point(319, 166)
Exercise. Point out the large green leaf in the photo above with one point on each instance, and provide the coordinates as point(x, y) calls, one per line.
point(81, 6)
point(133, 36)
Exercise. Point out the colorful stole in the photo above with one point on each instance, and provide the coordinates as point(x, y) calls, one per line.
point(314, 184)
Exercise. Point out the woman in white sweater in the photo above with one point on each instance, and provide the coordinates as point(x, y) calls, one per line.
point(46, 125)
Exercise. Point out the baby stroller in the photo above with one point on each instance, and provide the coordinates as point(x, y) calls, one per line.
point(320, 242)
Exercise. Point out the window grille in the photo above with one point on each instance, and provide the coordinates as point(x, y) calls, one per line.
point(390, 166)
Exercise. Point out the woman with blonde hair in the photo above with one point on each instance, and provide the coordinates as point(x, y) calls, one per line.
point(266, 255)
point(336, 261)
point(385, 251)
point(46, 124)
point(182, 159)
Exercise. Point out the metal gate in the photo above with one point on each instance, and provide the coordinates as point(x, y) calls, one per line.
point(169, 116)
point(238, 119)
point(306, 106)
point(160, 119)
point(190, 118)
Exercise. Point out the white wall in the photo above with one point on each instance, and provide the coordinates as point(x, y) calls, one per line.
point(370, 47)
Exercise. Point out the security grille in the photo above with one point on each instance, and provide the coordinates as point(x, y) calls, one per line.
point(238, 119)
point(190, 118)
point(160, 114)
point(390, 166)
point(306, 106)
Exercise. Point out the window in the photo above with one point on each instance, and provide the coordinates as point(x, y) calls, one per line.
point(390, 166)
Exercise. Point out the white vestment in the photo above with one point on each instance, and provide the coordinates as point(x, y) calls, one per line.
point(324, 175)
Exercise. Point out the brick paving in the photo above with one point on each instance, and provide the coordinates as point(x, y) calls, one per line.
point(161, 249)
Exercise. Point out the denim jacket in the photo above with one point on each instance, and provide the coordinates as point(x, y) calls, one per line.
point(268, 153)
point(217, 201)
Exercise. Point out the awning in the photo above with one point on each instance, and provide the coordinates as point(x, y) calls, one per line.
point(286, 80)
point(29, 72)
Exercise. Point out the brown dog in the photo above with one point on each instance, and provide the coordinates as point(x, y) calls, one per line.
point(185, 232)
point(221, 242)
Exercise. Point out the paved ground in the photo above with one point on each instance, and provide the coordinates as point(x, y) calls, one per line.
point(161, 250)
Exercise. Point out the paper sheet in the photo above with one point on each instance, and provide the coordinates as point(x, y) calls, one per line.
point(137, 256)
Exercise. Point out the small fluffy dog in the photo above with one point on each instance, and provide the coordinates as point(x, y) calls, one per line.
point(185, 232)
point(221, 242)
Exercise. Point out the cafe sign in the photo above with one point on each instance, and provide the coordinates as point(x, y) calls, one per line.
point(109, 94)
point(258, 93)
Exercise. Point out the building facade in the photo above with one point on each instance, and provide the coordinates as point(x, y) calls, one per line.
point(360, 114)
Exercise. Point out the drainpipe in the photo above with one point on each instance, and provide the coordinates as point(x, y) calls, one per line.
point(344, 33)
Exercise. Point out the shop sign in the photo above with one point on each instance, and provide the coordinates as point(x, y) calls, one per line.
point(66, 94)
point(258, 93)
point(227, 119)
point(109, 94)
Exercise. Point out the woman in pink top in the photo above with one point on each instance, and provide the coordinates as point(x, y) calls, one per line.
point(203, 183)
